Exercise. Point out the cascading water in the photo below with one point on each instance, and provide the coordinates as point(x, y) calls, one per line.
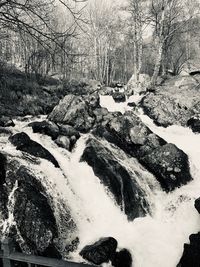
point(154, 240)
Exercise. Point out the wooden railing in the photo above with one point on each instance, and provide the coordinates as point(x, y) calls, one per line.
point(8, 255)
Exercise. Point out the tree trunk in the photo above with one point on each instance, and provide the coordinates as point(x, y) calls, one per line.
point(157, 64)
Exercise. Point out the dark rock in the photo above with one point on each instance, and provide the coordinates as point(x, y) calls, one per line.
point(122, 184)
point(197, 204)
point(130, 134)
point(76, 111)
point(101, 251)
point(169, 164)
point(119, 97)
point(122, 258)
point(34, 217)
point(45, 127)
point(64, 142)
point(23, 142)
point(191, 255)
point(68, 131)
point(194, 124)
point(6, 122)
point(132, 104)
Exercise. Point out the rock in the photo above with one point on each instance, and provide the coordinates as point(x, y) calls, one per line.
point(130, 134)
point(23, 142)
point(122, 258)
point(75, 111)
point(197, 205)
point(175, 102)
point(191, 255)
point(68, 131)
point(121, 183)
point(119, 97)
point(64, 142)
point(6, 122)
point(194, 124)
point(101, 251)
point(132, 104)
point(34, 217)
point(45, 127)
point(169, 164)
point(36, 225)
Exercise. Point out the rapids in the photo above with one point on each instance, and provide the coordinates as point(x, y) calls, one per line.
point(155, 240)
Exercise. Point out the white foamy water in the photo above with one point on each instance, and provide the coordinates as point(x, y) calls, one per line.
point(154, 240)
point(108, 102)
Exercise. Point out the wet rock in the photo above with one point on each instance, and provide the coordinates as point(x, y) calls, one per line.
point(68, 131)
point(23, 142)
point(197, 205)
point(76, 111)
point(34, 217)
point(101, 251)
point(170, 165)
point(64, 142)
point(122, 258)
point(6, 122)
point(45, 127)
point(130, 134)
point(122, 184)
point(191, 255)
point(194, 124)
point(119, 97)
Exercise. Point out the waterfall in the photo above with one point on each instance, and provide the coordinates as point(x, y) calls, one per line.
point(154, 240)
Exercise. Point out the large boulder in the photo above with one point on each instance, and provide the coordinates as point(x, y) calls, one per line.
point(23, 142)
point(119, 97)
point(120, 182)
point(175, 102)
point(191, 255)
point(76, 111)
point(45, 127)
point(101, 251)
point(169, 164)
point(34, 217)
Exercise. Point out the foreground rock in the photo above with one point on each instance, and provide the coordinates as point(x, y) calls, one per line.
point(121, 183)
point(191, 255)
point(76, 111)
point(175, 102)
point(101, 251)
point(23, 142)
point(168, 163)
point(35, 226)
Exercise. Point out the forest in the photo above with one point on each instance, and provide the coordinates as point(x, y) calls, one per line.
point(108, 41)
